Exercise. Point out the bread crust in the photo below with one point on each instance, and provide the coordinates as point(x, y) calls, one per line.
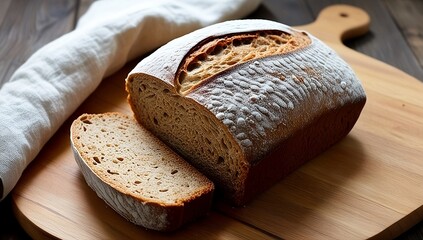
point(264, 105)
point(156, 214)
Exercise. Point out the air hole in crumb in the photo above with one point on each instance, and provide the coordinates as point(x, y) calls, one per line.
point(163, 190)
point(344, 15)
point(174, 171)
point(112, 172)
point(155, 121)
point(193, 65)
point(120, 159)
point(247, 41)
point(224, 144)
point(96, 159)
point(165, 114)
point(166, 90)
point(220, 160)
point(85, 120)
point(202, 57)
point(152, 95)
point(183, 75)
point(216, 50)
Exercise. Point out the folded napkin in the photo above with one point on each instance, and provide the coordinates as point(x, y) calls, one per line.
point(55, 80)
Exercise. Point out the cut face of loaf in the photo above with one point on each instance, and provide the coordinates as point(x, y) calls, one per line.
point(246, 102)
point(136, 174)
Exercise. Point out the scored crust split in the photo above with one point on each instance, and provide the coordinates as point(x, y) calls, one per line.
point(246, 101)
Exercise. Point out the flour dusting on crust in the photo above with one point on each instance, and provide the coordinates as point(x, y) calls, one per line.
point(263, 95)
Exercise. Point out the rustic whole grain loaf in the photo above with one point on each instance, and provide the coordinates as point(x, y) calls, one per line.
point(136, 174)
point(246, 101)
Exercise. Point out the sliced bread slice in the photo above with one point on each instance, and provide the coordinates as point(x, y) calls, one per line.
point(136, 174)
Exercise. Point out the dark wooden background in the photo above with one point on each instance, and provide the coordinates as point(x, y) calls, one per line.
point(395, 37)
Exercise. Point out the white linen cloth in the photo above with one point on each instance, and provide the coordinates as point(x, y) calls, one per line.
point(56, 79)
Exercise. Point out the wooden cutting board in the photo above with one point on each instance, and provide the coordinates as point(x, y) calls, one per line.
point(368, 185)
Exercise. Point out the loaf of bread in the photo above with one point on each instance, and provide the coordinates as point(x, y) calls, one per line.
point(136, 174)
point(246, 101)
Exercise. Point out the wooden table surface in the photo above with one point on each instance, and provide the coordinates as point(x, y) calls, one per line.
point(395, 37)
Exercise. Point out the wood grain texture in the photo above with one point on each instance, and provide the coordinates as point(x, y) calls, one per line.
point(290, 12)
point(368, 185)
point(410, 22)
point(395, 52)
point(26, 26)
